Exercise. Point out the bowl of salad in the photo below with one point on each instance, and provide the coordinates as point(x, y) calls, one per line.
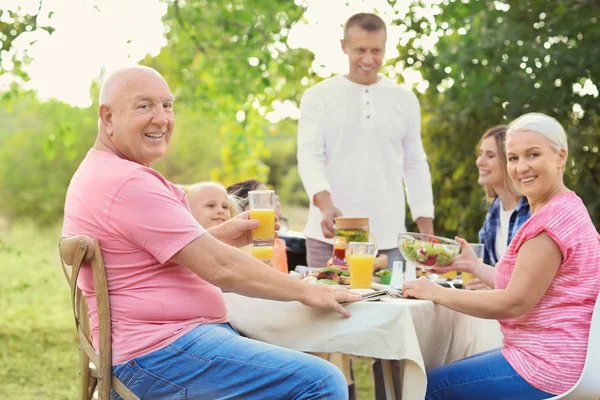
point(428, 251)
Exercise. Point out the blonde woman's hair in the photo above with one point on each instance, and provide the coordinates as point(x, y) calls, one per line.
point(499, 134)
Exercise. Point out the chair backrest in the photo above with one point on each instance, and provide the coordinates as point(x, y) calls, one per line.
point(588, 385)
point(76, 251)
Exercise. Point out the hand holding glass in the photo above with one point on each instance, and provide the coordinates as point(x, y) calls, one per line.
point(478, 249)
point(362, 257)
point(262, 208)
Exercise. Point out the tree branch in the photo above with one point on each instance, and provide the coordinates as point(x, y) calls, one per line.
point(185, 28)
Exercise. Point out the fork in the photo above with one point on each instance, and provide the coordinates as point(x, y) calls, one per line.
point(394, 293)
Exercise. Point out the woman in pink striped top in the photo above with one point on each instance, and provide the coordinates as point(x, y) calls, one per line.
point(546, 284)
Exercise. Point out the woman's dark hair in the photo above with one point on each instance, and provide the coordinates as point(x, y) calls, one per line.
point(240, 191)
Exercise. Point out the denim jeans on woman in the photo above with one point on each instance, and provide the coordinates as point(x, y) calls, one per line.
point(214, 362)
point(485, 376)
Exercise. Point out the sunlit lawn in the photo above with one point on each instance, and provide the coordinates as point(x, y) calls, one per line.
point(38, 347)
point(38, 350)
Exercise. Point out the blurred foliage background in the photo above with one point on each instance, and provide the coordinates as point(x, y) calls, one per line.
point(227, 62)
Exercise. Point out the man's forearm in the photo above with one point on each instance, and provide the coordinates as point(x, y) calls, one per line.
point(243, 274)
point(425, 225)
point(234, 270)
point(323, 200)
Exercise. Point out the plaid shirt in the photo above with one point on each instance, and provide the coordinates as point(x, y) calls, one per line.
point(487, 234)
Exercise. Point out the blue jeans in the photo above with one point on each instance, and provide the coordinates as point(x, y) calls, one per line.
point(485, 376)
point(214, 362)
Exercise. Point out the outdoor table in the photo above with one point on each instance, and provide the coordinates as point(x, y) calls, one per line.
point(419, 333)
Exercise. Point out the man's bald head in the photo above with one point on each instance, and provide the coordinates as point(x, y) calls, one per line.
point(136, 117)
point(118, 81)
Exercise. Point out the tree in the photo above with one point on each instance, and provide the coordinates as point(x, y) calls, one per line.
point(41, 146)
point(14, 24)
point(229, 62)
point(493, 61)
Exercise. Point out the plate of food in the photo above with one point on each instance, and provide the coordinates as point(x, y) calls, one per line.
point(428, 251)
point(340, 275)
point(328, 276)
point(380, 262)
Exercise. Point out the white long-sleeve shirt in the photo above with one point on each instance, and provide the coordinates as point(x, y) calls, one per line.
point(360, 143)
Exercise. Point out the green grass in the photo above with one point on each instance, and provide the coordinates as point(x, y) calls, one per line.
point(38, 349)
point(363, 379)
point(38, 345)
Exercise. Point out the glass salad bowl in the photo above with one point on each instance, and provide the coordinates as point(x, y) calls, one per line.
point(427, 251)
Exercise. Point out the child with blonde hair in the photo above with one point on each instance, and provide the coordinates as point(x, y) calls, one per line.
point(210, 203)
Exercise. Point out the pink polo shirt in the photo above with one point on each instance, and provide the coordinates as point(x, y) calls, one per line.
point(140, 220)
point(548, 345)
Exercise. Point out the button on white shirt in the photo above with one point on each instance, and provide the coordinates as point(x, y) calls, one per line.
point(362, 143)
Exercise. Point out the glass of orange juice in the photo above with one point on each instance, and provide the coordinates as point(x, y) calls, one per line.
point(262, 208)
point(263, 253)
point(362, 257)
point(449, 275)
point(479, 249)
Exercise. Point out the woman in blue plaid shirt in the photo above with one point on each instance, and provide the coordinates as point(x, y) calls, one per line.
point(508, 208)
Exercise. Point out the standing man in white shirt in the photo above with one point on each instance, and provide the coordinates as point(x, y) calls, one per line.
point(359, 143)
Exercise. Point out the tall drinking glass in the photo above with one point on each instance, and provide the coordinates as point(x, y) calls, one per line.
point(479, 249)
point(362, 257)
point(262, 208)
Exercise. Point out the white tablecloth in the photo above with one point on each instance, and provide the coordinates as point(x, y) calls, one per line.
point(423, 334)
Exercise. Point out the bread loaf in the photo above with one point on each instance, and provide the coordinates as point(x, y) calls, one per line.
point(381, 262)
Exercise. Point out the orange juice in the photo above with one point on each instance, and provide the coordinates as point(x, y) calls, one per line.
point(266, 229)
point(262, 252)
point(361, 271)
point(466, 277)
point(449, 275)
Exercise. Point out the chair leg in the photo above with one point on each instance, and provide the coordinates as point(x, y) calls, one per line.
point(84, 376)
point(324, 356)
point(92, 387)
point(388, 379)
point(342, 361)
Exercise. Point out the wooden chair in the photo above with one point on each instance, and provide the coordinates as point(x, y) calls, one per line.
point(74, 252)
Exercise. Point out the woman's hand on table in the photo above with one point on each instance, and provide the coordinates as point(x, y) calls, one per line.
point(329, 297)
point(423, 289)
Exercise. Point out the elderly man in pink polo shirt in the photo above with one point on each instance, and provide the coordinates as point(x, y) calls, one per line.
point(165, 272)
